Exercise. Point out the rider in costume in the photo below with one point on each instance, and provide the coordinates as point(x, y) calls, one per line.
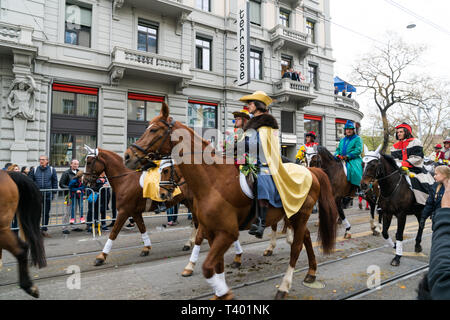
point(231, 140)
point(310, 137)
point(280, 185)
point(447, 150)
point(438, 154)
point(408, 152)
point(350, 149)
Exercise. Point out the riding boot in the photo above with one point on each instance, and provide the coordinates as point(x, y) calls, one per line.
point(258, 230)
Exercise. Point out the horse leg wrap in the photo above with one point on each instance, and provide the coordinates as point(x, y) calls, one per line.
point(217, 282)
point(399, 248)
point(194, 254)
point(287, 280)
point(146, 239)
point(347, 224)
point(390, 242)
point(237, 247)
point(108, 246)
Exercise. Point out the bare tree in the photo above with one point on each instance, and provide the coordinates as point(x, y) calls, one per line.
point(385, 73)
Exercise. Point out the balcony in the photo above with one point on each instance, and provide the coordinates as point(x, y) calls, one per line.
point(168, 8)
point(281, 36)
point(148, 65)
point(346, 102)
point(15, 36)
point(286, 90)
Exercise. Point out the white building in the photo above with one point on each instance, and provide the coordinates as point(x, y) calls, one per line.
point(101, 68)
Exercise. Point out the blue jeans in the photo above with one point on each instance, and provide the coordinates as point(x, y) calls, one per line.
point(172, 213)
point(74, 200)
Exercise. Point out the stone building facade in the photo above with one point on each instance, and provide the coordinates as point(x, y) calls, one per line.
point(94, 71)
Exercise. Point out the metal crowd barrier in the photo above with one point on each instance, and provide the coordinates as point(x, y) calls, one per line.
point(58, 204)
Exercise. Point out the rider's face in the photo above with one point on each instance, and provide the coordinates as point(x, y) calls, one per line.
point(401, 134)
point(238, 122)
point(251, 107)
point(349, 132)
point(308, 139)
point(447, 145)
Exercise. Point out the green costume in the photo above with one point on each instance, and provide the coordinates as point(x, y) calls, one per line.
point(352, 147)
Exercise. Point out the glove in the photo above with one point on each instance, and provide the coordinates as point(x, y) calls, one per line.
point(297, 161)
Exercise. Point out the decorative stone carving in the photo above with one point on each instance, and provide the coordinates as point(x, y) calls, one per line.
point(180, 21)
point(117, 74)
point(21, 99)
point(277, 45)
point(117, 4)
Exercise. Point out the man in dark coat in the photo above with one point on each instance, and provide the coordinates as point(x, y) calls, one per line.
point(45, 177)
point(66, 177)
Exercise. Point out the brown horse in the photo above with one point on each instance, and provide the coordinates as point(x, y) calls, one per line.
point(342, 188)
point(129, 196)
point(170, 179)
point(221, 206)
point(20, 195)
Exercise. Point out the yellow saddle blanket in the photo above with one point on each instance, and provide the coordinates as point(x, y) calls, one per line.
point(150, 188)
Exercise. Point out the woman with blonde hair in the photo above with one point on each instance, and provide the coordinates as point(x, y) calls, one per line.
point(13, 167)
point(442, 177)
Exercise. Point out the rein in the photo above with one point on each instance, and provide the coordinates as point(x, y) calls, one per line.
point(377, 173)
point(171, 182)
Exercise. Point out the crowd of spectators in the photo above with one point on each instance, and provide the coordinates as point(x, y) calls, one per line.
point(293, 75)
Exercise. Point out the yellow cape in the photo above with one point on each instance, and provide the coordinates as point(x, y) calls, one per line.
point(292, 181)
point(151, 184)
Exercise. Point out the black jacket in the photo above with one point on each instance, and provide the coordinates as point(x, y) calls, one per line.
point(66, 177)
point(439, 270)
point(433, 202)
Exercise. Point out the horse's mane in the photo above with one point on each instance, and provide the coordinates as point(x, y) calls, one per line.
point(390, 160)
point(324, 153)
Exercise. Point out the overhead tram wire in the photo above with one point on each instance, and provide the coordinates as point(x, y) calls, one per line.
point(412, 13)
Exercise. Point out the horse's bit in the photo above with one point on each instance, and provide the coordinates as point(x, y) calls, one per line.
point(170, 185)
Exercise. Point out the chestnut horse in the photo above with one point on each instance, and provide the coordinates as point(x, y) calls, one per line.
point(396, 198)
point(335, 171)
point(129, 195)
point(221, 206)
point(20, 195)
point(172, 178)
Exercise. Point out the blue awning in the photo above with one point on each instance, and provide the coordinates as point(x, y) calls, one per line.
point(341, 84)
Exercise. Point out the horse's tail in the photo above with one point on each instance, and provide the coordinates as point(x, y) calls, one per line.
point(328, 212)
point(29, 213)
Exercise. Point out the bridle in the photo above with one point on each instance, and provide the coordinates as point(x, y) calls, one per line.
point(379, 172)
point(170, 185)
point(156, 154)
point(96, 174)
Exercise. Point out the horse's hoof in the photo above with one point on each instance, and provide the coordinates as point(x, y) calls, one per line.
point(235, 265)
point(396, 261)
point(375, 232)
point(227, 296)
point(186, 248)
point(145, 253)
point(33, 291)
point(281, 295)
point(267, 253)
point(99, 262)
point(309, 278)
point(347, 235)
point(418, 248)
point(187, 273)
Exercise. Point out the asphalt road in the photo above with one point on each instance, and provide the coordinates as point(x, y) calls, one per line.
point(127, 275)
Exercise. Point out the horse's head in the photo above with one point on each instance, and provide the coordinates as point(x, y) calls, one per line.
point(169, 179)
point(94, 166)
point(311, 156)
point(154, 143)
point(372, 166)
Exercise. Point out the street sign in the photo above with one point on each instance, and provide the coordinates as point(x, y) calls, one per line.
point(243, 39)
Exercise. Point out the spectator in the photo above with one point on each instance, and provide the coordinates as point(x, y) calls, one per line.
point(294, 76)
point(76, 188)
point(436, 283)
point(13, 167)
point(113, 209)
point(288, 74)
point(172, 215)
point(442, 176)
point(349, 95)
point(66, 177)
point(7, 165)
point(344, 93)
point(98, 202)
point(45, 177)
point(25, 170)
point(299, 76)
point(336, 90)
point(31, 169)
